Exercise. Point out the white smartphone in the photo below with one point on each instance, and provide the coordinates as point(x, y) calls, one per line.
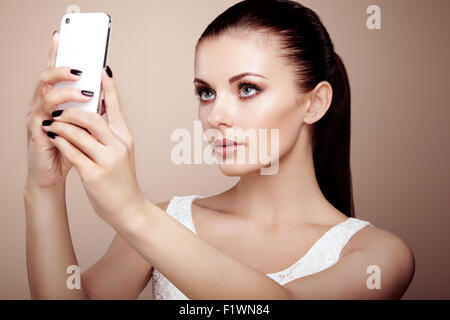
point(83, 45)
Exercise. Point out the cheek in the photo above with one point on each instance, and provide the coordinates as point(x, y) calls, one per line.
point(276, 113)
point(203, 113)
point(270, 112)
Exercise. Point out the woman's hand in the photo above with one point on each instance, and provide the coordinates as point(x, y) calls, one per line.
point(103, 154)
point(46, 166)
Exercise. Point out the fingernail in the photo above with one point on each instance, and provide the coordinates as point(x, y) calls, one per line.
point(87, 93)
point(57, 113)
point(51, 134)
point(108, 71)
point(76, 72)
point(47, 122)
point(54, 32)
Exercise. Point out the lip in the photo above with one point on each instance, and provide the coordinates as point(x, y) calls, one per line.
point(225, 143)
point(226, 146)
point(224, 150)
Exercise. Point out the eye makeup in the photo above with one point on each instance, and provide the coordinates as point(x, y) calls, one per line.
point(199, 92)
point(242, 84)
point(251, 85)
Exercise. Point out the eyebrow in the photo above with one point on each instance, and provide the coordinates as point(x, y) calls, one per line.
point(232, 79)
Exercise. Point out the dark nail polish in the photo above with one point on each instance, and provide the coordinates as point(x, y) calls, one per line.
point(47, 122)
point(57, 113)
point(76, 72)
point(108, 71)
point(87, 93)
point(51, 134)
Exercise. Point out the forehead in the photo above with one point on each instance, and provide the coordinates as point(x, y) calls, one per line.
point(231, 54)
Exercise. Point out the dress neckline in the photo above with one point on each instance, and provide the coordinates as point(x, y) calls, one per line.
point(298, 261)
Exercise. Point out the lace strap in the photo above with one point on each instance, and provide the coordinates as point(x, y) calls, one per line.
point(339, 236)
point(179, 207)
point(324, 253)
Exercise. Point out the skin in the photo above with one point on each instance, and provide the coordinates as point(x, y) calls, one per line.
point(263, 215)
point(291, 195)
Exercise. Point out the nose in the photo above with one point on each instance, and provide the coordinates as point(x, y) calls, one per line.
point(221, 114)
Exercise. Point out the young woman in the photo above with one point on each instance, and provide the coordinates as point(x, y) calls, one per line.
point(290, 235)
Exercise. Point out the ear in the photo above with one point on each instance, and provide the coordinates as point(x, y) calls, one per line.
point(319, 102)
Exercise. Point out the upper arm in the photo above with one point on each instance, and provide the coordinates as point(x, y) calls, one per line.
point(122, 273)
point(379, 254)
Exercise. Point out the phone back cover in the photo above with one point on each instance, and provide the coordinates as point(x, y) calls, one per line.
point(83, 45)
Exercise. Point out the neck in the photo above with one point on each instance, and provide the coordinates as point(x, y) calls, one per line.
point(292, 195)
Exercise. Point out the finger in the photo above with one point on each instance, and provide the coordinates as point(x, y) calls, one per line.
point(78, 137)
point(91, 121)
point(53, 50)
point(114, 113)
point(35, 132)
point(54, 75)
point(102, 108)
point(76, 157)
point(57, 96)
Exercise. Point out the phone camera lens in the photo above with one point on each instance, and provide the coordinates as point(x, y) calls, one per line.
point(67, 20)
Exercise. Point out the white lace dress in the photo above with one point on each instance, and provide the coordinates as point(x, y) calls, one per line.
point(323, 254)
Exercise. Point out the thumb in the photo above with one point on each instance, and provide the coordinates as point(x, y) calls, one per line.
point(53, 50)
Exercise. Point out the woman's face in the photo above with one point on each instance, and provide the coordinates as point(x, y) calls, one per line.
point(236, 106)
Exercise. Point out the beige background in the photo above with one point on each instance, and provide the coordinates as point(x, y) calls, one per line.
point(400, 118)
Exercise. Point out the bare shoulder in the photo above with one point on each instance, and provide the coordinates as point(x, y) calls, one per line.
point(378, 260)
point(391, 252)
point(372, 237)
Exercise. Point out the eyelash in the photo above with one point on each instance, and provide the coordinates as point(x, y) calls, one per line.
point(243, 83)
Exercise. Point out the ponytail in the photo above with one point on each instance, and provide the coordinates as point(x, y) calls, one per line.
point(331, 144)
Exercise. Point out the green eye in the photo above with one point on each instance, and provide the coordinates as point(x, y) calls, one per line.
point(200, 93)
point(248, 89)
point(207, 96)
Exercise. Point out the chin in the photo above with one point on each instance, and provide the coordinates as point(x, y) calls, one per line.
point(233, 170)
